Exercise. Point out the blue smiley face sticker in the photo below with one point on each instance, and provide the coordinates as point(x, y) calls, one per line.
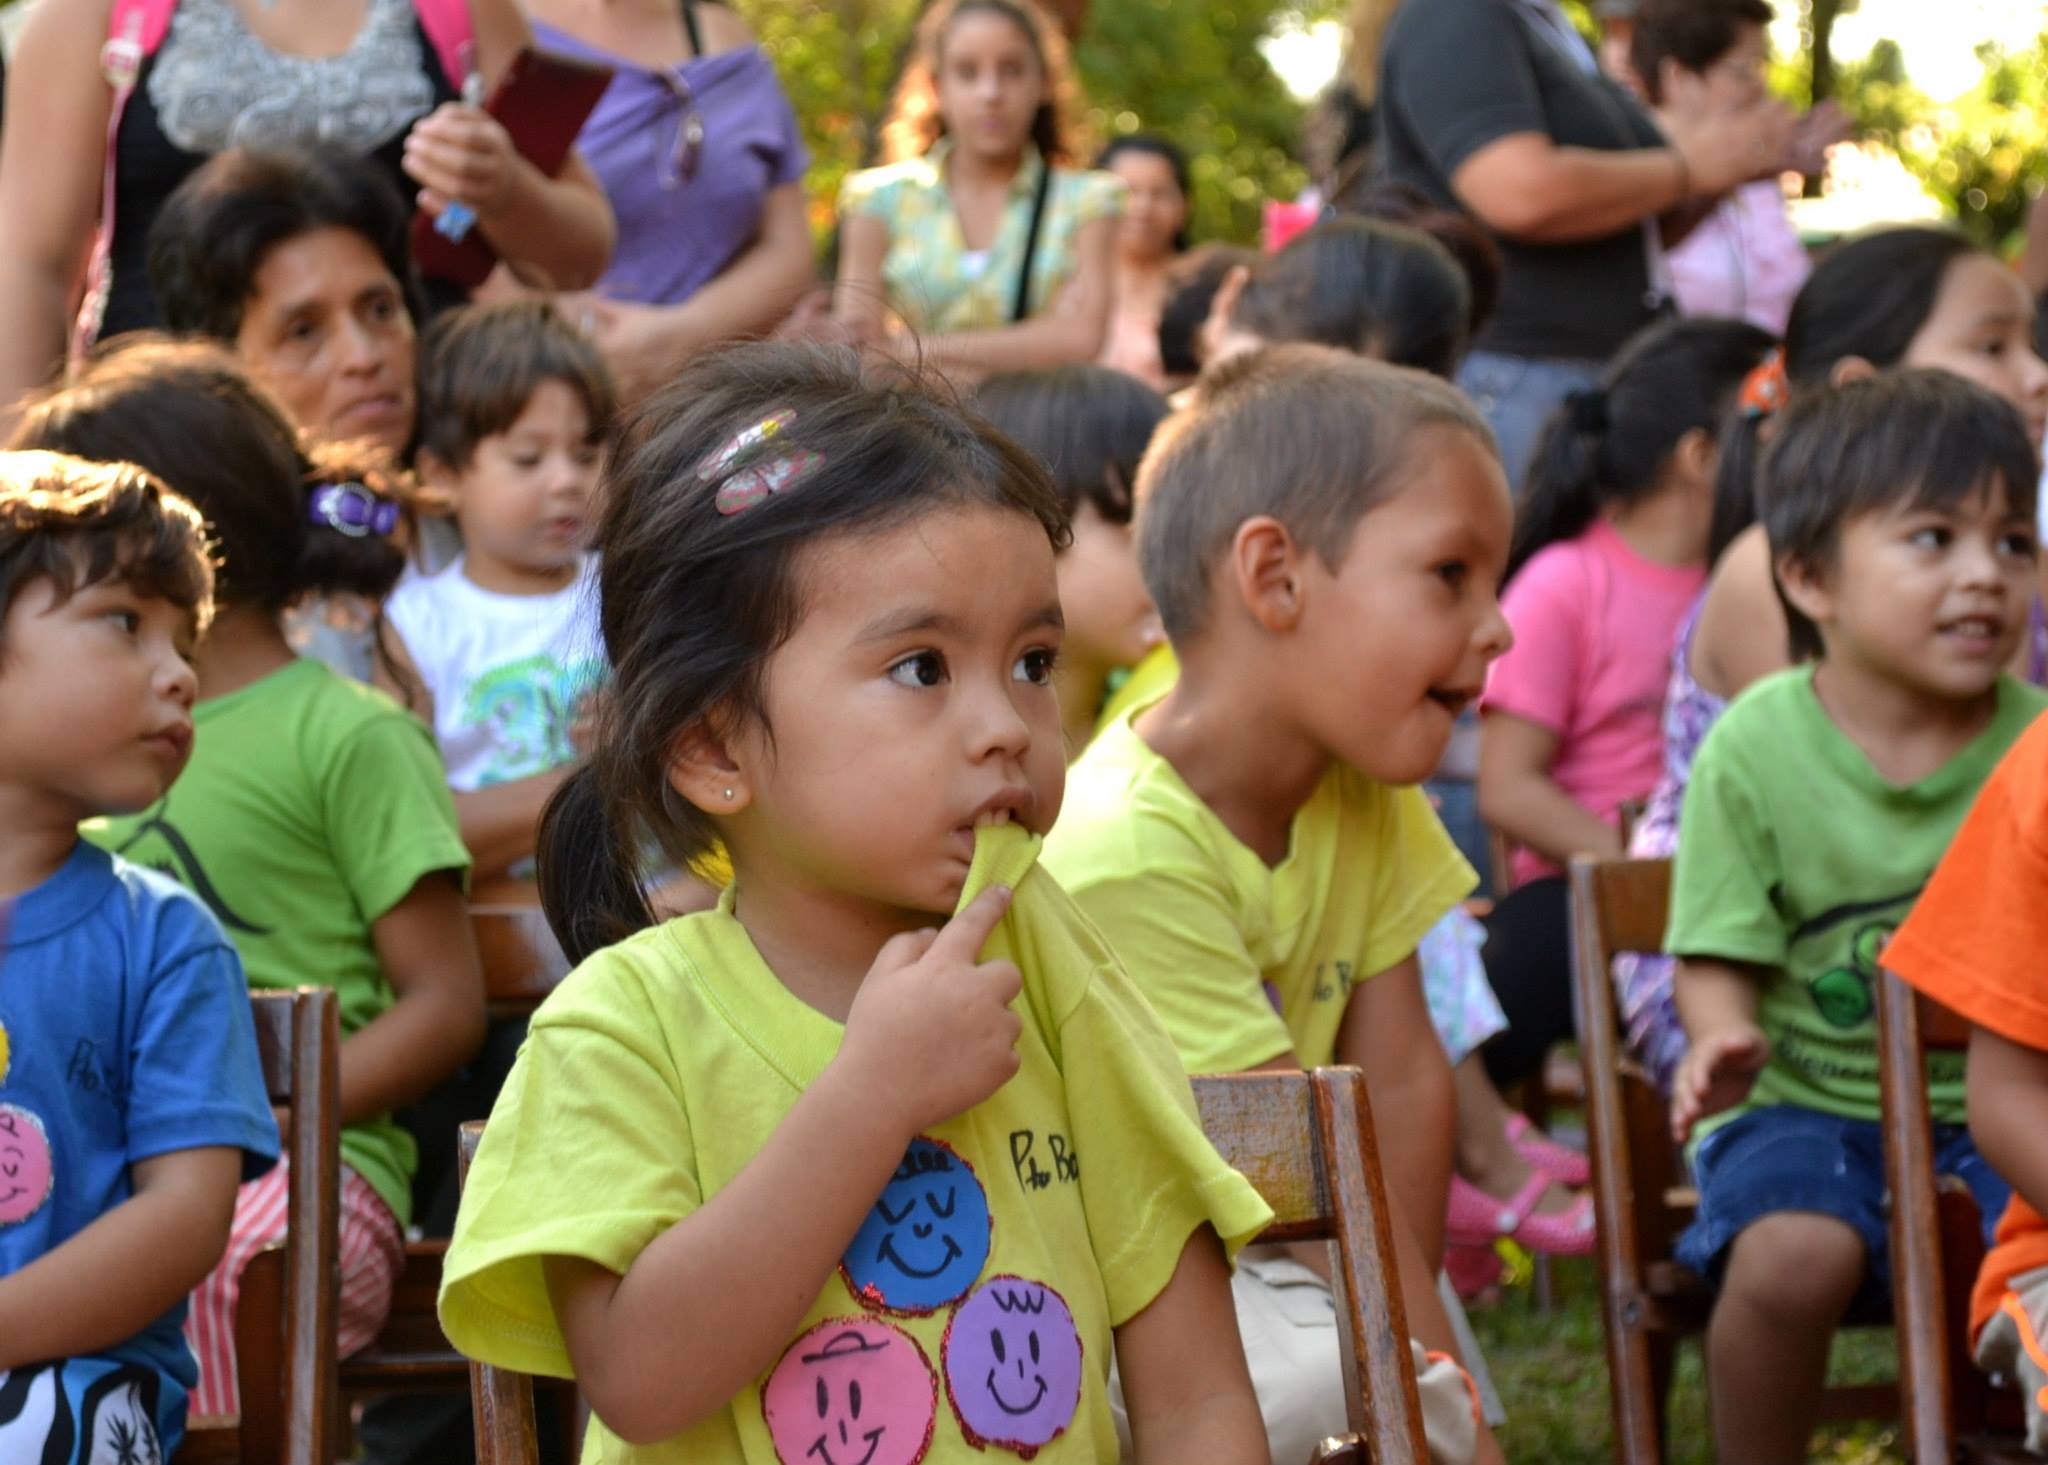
point(927, 1238)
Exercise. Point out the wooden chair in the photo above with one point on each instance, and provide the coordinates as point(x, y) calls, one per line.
point(1951, 1411)
point(290, 1296)
point(1305, 1141)
point(1642, 1196)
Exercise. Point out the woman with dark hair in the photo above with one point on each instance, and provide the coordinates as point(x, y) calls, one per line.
point(993, 251)
point(299, 262)
point(381, 79)
point(1153, 234)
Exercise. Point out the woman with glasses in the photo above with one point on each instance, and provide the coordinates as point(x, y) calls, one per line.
point(1691, 59)
point(697, 148)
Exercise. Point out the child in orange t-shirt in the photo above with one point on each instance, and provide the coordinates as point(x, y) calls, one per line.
point(1973, 943)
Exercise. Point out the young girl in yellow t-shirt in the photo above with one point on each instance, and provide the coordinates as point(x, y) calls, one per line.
point(803, 1179)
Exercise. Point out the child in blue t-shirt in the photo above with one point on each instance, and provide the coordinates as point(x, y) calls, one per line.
point(131, 1099)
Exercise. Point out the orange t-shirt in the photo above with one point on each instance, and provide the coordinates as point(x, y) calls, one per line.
point(1975, 943)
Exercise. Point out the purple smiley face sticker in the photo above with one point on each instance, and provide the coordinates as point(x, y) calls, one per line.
point(851, 1391)
point(1013, 1365)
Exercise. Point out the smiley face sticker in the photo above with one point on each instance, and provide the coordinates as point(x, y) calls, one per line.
point(1013, 1365)
point(927, 1238)
point(26, 1173)
point(851, 1391)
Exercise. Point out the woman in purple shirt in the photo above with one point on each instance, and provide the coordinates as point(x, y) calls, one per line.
point(697, 148)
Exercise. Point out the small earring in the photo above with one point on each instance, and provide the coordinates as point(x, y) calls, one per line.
point(728, 796)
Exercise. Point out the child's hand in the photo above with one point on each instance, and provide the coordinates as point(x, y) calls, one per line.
point(931, 1032)
point(1717, 1073)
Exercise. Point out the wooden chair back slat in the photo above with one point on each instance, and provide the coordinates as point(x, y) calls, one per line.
point(1306, 1143)
point(522, 961)
point(290, 1297)
point(502, 1400)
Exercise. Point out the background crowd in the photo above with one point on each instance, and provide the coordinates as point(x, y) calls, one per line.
point(1534, 408)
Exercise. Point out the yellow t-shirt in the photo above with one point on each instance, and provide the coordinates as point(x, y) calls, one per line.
point(1244, 961)
point(975, 1303)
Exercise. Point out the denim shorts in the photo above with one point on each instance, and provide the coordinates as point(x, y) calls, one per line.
point(1786, 1158)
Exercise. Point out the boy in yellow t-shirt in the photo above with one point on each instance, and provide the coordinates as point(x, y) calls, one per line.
point(1323, 536)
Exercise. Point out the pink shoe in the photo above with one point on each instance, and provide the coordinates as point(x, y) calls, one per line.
point(1476, 1218)
point(1473, 1270)
point(1559, 1162)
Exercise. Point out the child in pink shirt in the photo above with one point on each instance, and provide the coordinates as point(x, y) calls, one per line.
point(1609, 555)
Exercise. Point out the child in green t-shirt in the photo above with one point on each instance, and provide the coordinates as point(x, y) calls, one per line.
point(764, 1176)
point(1900, 511)
point(314, 817)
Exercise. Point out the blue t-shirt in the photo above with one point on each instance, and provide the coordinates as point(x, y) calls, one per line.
point(125, 1033)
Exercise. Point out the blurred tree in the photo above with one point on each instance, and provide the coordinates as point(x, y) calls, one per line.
point(1985, 155)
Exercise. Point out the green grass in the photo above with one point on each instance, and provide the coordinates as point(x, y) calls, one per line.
point(1552, 1375)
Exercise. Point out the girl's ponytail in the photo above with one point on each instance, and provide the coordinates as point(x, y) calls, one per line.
point(589, 888)
point(1611, 444)
point(1563, 492)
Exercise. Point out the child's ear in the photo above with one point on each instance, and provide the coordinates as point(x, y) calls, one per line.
point(702, 768)
point(1217, 334)
point(1266, 566)
point(1806, 587)
point(1850, 369)
point(1697, 456)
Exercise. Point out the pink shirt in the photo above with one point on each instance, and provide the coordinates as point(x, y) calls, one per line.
point(1594, 623)
point(1743, 261)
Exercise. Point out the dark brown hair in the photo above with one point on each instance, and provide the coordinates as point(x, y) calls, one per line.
point(1089, 425)
point(77, 524)
point(185, 411)
point(1311, 436)
point(1363, 285)
point(1912, 438)
point(482, 364)
point(913, 123)
point(1693, 33)
point(694, 602)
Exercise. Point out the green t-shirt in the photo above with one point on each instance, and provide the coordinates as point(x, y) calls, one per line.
point(1797, 857)
point(312, 806)
point(1051, 1213)
point(1244, 961)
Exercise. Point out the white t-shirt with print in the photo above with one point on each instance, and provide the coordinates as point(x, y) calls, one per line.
point(508, 673)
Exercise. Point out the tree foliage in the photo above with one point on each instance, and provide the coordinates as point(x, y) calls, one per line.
point(1190, 69)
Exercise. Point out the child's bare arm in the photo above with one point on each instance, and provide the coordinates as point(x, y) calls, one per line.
point(1717, 1002)
point(501, 824)
point(930, 1035)
point(1185, 1381)
point(1518, 797)
point(437, 1022)
point(2008, 1090)
point(128, 1268)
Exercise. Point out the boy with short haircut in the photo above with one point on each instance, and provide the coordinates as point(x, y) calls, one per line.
point(500, 651)
point(1900, 512)
point(1974, 945)
point(132, 1103)
point(1323, 536)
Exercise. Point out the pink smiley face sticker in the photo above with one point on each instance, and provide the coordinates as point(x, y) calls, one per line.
point(851, 1391)
point(26, 1174)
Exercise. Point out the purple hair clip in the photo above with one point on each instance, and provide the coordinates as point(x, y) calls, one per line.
point(352, 508)
point(751, 480)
